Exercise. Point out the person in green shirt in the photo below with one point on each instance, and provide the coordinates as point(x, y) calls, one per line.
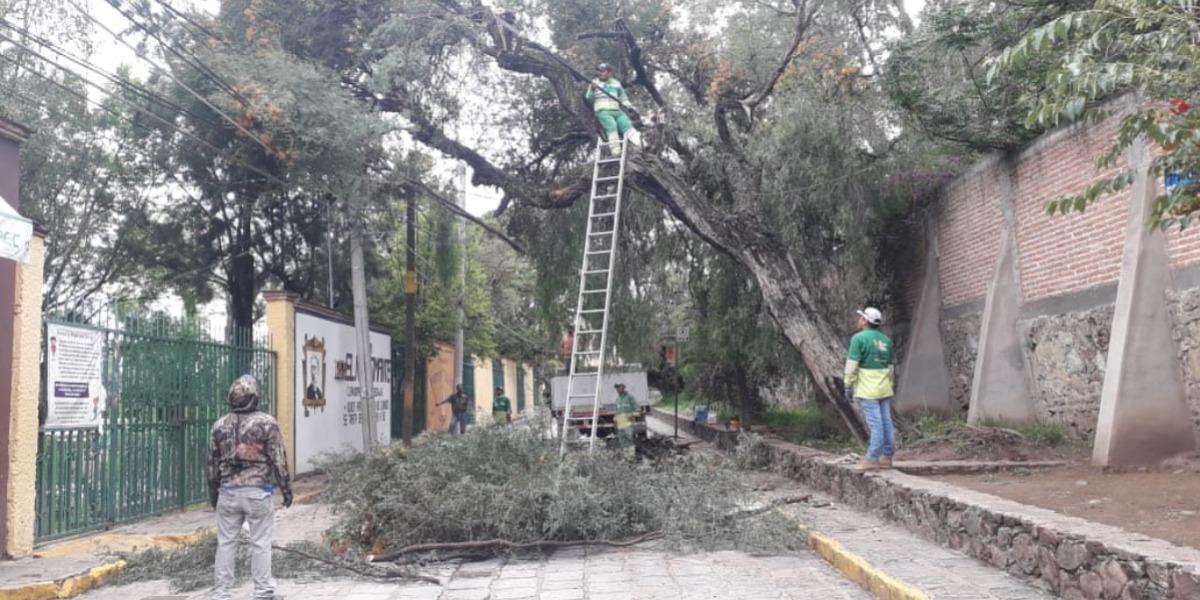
point(627, 413)
point(501, 407)
point(870, 370)
point(609, 101)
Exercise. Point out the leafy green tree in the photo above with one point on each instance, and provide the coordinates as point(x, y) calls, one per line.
point(262, 151)
point(765, 139)
point(1149, 48)
point(939, 77)
point(81, 171)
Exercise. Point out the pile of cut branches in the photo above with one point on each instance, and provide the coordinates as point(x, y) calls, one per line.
point(500, 490)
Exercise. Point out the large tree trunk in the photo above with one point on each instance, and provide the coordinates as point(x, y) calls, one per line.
point(788, 296)
point(790, 299)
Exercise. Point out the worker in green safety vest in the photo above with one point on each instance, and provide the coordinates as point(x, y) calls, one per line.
point(628, 413)
point(610, 102)
point(501, 407)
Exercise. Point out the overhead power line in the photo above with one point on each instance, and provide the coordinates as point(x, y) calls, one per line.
point(89, 16)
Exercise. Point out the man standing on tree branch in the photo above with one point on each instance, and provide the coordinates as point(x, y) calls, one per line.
point(869, 373)
point(610, 102)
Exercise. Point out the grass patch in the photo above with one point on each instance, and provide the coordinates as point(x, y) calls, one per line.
point(809, 426)
point(927, 428)
point(932, 428)
point(1038, 432)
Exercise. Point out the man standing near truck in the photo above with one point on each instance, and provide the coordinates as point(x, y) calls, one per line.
point(628, 413)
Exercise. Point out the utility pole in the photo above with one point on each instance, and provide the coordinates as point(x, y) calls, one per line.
point(329, 250)
point(362, 325)
point(410, 317)
point(459, 351)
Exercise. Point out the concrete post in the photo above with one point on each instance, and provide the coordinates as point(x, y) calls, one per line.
point(924, 384)
point(1000, 385)
point(281, 326)
point(12, 136)
point(1144, 416)
point(23, 416)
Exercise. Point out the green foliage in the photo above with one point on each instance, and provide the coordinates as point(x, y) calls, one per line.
point(939, 75)
point(511, 483)
point(1116, 46)
point(191, 567)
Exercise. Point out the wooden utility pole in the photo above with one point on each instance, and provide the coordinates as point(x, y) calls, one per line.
point(410, 317)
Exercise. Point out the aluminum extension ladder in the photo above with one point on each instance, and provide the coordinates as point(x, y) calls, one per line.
point(595, 288)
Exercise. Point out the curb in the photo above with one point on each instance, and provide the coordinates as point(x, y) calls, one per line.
point(856, 568)
point(67, 588)
point(100, 575)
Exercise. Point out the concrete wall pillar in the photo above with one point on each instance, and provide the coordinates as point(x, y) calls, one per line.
point(281, 326)
point(1144, 415)
point(12, 136)
point(924, 384)
point(485, 392)
point(1000, 385)
point(23, 416)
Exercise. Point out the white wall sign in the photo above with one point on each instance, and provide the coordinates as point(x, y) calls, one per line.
point(328, 400)
point(74, 363)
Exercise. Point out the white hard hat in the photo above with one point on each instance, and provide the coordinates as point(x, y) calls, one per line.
point(872, 315)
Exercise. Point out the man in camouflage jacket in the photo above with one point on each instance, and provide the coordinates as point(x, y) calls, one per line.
point(246, 460)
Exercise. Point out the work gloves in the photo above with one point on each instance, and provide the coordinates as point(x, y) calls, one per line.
point(849, 391)
point(214, 492)
point(287, 496)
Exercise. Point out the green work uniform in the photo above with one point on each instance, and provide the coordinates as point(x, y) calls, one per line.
point(608, 111)
point(874, 353)
point(627, 408)
point(501, 407)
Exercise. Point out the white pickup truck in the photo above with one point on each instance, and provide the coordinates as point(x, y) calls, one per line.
point(581, 408)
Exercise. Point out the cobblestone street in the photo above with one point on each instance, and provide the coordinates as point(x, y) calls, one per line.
point(573, 574)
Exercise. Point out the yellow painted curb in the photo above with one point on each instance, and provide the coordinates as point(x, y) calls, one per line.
point(68, 588)
point(856, 568)
point(122, 541)
point(96, 576)
point(32, 591)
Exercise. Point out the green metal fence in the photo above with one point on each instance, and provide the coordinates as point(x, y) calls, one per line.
point(498, 375)
point(398, 364)
point(520, 389)
point(166, 381)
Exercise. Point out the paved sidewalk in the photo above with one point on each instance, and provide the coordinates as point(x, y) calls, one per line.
point(574, 574)
point(72, 559)
point(940, 573)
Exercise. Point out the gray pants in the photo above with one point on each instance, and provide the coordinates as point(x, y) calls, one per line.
point(253, 506)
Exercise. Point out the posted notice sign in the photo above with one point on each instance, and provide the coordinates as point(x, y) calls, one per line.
point(74, 363)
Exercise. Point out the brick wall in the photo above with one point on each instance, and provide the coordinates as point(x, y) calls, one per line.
point(969, 234)
point(1065, 253)
point(1057, 254)
point(1065, 350)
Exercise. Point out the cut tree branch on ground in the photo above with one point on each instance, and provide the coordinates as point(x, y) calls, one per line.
point(772, 505)
point(510, 545)
point(373, 572)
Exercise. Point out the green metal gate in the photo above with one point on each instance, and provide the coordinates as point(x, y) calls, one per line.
point(166, 382)
point(498, 375)
point(469, 385)
point(398, 364)
point(520, 389)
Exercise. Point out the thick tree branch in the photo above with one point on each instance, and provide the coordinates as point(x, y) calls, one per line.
point(450, 205)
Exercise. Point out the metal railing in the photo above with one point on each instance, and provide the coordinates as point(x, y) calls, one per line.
point(166, 380)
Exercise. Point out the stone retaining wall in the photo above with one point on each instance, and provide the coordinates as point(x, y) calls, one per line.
point(1070, 557)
